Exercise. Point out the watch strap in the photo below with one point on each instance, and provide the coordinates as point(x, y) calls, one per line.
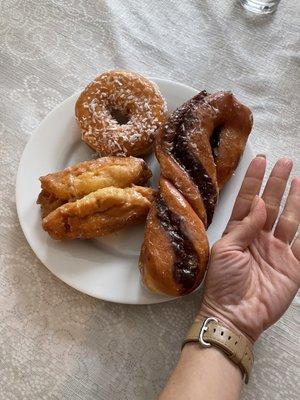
point(210, 332)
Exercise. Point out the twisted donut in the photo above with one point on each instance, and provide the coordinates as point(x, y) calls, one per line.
point(198, 149)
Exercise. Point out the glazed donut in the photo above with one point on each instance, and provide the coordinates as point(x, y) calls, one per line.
point(174, 253)
point(118, 113)
point(99, 213)
point(76, 181)
point(198, 149)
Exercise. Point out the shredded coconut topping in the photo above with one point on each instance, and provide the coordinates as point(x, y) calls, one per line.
point(135, 97)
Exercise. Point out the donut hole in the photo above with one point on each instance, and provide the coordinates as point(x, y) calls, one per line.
point(120, 116)
point(215, 140)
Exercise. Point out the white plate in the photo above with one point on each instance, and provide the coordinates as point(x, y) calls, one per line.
point(105, 268)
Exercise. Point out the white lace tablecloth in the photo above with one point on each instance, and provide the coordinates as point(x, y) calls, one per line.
point(56, 343)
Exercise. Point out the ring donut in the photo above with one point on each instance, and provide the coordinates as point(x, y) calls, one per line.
point(118, 113)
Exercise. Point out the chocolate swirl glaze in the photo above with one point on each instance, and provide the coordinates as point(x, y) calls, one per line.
point(186, 258)
point(198, 149)
point(176, 133)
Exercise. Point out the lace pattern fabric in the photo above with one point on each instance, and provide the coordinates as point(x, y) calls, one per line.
point(56, 343)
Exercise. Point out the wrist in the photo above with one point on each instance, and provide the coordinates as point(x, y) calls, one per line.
point(208, 311)
point(210, 330)
point(218, 360)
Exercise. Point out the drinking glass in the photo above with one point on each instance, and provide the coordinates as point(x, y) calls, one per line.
point(260, 6)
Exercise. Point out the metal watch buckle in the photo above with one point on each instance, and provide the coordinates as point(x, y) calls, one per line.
point(204, 329)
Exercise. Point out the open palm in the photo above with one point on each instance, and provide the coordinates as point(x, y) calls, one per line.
point(254, 272)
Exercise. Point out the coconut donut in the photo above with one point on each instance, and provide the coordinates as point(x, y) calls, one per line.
point(119, 112)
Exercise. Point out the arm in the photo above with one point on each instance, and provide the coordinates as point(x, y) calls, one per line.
point(203, 374)
point(253, 276)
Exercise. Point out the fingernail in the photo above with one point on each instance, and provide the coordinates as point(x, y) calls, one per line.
point(286, 161)
point(296, 182)
point(261, 155)
point(254, 202)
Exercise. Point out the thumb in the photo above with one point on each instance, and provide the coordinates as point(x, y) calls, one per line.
point(245, 232)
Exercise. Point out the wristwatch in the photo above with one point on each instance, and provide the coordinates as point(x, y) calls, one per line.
point(210, 332)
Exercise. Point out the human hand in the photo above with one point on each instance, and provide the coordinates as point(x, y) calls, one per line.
point(254, 270)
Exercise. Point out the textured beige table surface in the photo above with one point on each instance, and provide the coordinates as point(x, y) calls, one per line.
point(56, 343)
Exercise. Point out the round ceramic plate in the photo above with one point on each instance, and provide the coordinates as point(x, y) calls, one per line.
point(105, 268)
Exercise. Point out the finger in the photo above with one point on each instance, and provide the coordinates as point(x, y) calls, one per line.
point(296, 248)
point(289, 220)
point(249, 189)
point(243, 234)
point(275, 188)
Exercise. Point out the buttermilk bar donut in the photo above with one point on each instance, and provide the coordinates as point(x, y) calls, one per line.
point(118, 113)
point(76, 181)
point(99, 213)
point(198, 149)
